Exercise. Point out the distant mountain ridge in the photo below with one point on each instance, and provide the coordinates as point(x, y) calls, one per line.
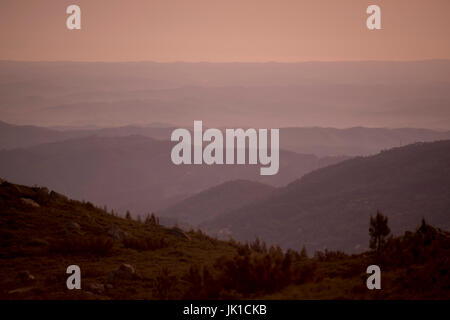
point(23, 136)
point(215, 201)
point(354, 141)
point(322, 142)
point(326, 94)
point(330, 207)
point(133, 172)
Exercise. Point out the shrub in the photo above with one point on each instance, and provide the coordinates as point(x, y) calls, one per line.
point(164, 283)
point(329, 255)
point(244, 275)
point(100, 246)
point(145, 244)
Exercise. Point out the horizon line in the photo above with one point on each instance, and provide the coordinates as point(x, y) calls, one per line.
point(174, 125)
point(223, 62)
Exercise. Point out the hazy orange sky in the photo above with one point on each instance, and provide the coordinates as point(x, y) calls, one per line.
point(225, 30)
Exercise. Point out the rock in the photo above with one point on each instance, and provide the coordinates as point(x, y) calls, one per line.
point(30, 202)
point(74, 225)
point(124, 272)
point(57, 196)
point(109, 286)
point(43, 191)
point(21, 290)
point(179, 233)
point(26, 277)
point(97, 288)
point(117, 233)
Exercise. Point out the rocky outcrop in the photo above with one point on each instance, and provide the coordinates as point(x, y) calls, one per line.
point(124, 272)
point(30, 202)
point(55, 196)
point(117, 233)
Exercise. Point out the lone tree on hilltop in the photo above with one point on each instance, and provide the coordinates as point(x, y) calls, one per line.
point(378, 230)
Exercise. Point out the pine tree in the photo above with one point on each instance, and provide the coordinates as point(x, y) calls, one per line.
point(378, 231)
point(303, 253)
point(128, 215)
point(151, 219)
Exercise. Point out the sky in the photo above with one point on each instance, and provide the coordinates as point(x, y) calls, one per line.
point(224, 31)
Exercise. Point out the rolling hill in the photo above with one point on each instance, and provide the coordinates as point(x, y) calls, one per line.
point(18, 136)
point(330, 207)
point(43, 232)
point(133, 172)
point(355, 141)
point(12, 136)
point(322, 142)
point(215, 201)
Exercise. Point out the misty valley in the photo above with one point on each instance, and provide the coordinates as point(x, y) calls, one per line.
point(296, 181)
point(257, 147)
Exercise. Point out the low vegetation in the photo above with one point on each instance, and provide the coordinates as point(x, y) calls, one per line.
point(40, 238)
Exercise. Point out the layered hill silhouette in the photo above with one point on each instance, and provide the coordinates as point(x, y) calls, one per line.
point(217, 200)
point(330, 207)
point(336, 94)
point(355, 141)
point(133, 172)
point(12, 136)
point(17, 136)
point(321, 142)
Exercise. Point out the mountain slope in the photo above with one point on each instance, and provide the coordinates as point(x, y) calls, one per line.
point(44, 232)
point(321, 142)
point(356, 141)
point(16, 136)
point(12, 136)
point(133, 172)
point(215, 201)
point(330, 207)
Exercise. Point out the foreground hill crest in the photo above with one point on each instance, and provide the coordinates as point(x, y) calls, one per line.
point(125, 259)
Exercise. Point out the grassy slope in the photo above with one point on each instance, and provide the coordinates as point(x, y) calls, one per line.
point(405, 183)
point(29, 233)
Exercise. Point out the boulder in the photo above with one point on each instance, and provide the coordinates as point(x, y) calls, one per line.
point(117, 233)
point(96, 288)
point(30, 202)
point(54, 196)
point(124, 272)
point(43, 191)
point(73, 225)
